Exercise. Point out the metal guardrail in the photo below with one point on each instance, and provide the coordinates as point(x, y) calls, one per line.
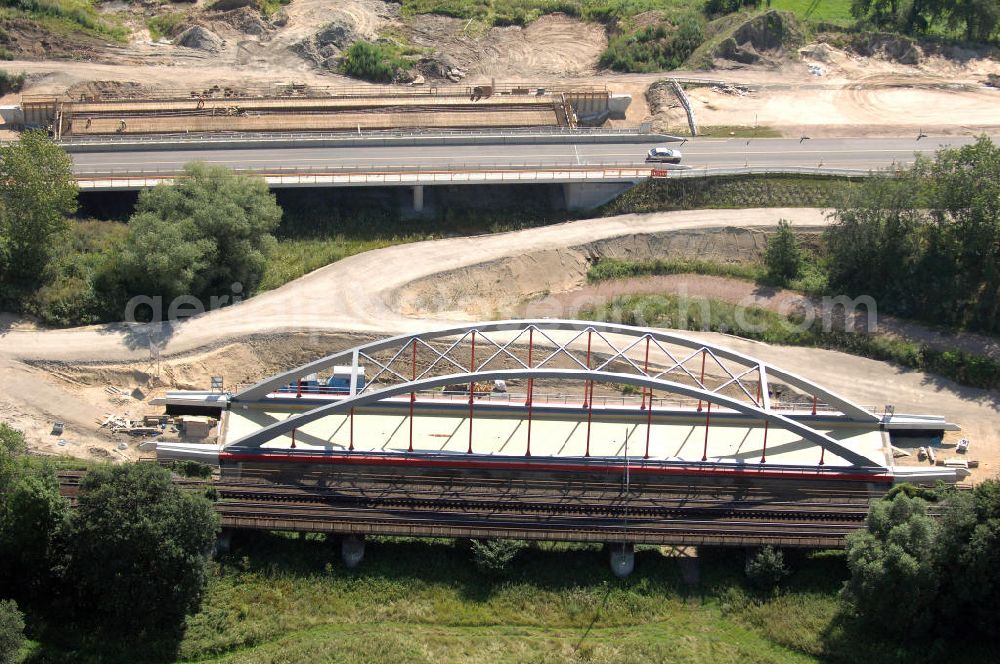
point(379, 168)
point(775, 170)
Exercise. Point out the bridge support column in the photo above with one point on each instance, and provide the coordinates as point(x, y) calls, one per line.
point(352, 550)
point(589, 195)
point(223, 543)
point(622, 559)
point(689, 566)
point(418, 198)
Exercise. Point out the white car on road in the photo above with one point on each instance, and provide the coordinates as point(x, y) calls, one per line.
point(664, 155)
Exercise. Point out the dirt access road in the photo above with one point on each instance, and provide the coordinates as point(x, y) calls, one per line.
point(418, 286)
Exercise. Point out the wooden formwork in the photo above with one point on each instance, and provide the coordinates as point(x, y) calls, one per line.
point(366, 107)
point(289, 105)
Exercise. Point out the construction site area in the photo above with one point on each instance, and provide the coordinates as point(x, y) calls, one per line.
point(300, 108)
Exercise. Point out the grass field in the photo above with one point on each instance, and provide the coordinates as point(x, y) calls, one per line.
point(831, 11)
point(732, 192)
point(293, 258)
point(279, 599)
point(65, 17)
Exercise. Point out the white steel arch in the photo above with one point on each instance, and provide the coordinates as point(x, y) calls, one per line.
point(258, 438)
point(521, 328)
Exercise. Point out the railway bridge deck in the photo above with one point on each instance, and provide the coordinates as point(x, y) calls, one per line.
point(556, 430)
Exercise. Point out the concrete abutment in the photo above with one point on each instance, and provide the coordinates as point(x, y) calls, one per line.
point(589, 195)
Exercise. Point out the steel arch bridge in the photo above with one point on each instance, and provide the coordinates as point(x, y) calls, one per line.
point(715, 381)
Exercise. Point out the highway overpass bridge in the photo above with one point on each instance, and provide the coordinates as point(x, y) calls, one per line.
point(526, 429)
point(592, 165)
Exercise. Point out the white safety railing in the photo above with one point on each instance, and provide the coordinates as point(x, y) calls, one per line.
point(462, 170)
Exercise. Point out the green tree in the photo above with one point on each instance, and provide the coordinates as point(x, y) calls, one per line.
point(926, 244)
point(961, 263)
point(893, 578)
point(37, 195)
point(783, 257)
point(917, 576)
point(978, 19)
point(11, 631)
point(32, 519)
point(968, 551)
point(165, 257)
point(139, 550)
point(200, 235)
point(12, 446)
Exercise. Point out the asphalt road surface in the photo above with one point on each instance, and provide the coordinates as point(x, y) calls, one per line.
point(852, 153)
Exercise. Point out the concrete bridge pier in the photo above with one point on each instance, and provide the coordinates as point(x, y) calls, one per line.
point(223, 543)
point(622, 558)
point(589, 195)
point(352, 550)
point(418, 198)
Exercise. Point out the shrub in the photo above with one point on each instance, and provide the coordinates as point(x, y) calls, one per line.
point(165, 25)
point(379, 63)
point(493, 557)
point(783, 257)
point(766, 568)
point(192, 468)
point(11, 631)
point(657, 47)
point(720, 7)
point(912, 491)
point(11, 82)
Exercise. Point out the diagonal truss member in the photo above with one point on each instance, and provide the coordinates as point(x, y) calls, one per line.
point(454, 336)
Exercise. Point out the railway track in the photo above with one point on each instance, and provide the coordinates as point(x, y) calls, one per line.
point(673, 512)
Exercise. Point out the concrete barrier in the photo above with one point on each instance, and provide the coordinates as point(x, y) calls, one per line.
point(686, 103)
point(12, 116)
point(618, 105)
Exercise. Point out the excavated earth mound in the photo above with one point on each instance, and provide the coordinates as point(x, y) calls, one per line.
point(200, 38)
